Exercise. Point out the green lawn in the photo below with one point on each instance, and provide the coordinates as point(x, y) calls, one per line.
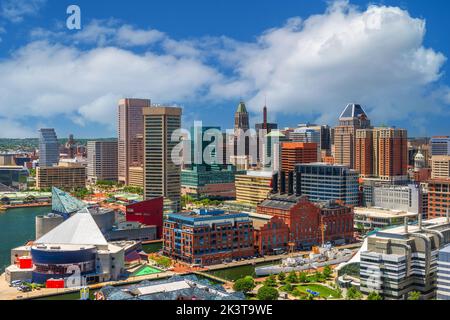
point(324, 292)
point(146, 270)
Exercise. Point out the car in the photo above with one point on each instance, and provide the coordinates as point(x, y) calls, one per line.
point(15, 283)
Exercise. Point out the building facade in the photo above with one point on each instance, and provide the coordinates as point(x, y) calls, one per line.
point(211, 182)
point(323, 182)
point(293, 153)
point(130, 130)
point(352, 118)
point(440, 167)
point(400, 260)
point(253, 187)
point(208, 237)
point(48, 148)
point(161, 173)
point(63, 177)
point(14, 177)
point(102, 161)
point(440, 146)
point(438, 198)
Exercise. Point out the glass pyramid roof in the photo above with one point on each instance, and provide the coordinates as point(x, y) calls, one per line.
point(353, 111)
point(63, 203)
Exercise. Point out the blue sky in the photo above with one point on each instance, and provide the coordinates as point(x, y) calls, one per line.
point(307, 58)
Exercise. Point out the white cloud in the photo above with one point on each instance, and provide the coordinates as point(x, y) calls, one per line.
point(11, 128)
point(16, 10)
point(313, 67)
point(374, 57)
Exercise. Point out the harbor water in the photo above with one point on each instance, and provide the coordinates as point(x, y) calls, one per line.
point(17, 226)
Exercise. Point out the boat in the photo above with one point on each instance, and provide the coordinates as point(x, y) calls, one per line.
point(327, 256)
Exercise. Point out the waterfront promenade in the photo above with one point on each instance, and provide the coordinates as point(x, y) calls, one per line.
point(9, 293)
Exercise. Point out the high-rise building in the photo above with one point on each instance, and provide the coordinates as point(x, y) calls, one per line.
point(364, 152)
point(48, 148)
point(404, 259)
point(102, 160)
point(438, 198)
point(323, 182)
point(293, 153)
point(440, 167)
point(352, 118)
point(130, 136)
point(67, 177)
point(440, 146)
point(308, 135)
point(241, 120)
point(381, 152)
point(161, 173)
point(443, 279)
point(262, 130)
point(390, 152)
point(253, 187)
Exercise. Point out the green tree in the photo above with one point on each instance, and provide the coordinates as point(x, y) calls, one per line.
point(414, 295)
point(287, 288)
point(374, 296)
point(292, 277)
point(302, 277)
point(353, 294)
point(327, 271)
point(267, 293)
point(244, 285)
point(271, 281)
point(281, 277)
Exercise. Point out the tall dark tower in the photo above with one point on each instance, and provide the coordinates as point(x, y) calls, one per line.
point(265, 117)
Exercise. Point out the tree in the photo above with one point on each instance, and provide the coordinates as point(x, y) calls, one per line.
point(353, 294)
point(327, 271)
point(292, 277)
point(244, 285)
point(414, 295)
point(303, 277)
point(281, 276)
point(271, 281)
point(374, 296)
point(267, 293)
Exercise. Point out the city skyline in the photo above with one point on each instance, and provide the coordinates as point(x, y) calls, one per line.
point(116, 55)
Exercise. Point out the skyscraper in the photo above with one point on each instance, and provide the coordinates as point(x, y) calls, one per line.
point(48, 148)
point(352, 118)
point(130, 136)
point(262, 130)
point(102, 160)
point(241, 117)
point(161, 173)
point(440, 146)
point(381, 152)
point(390, 152)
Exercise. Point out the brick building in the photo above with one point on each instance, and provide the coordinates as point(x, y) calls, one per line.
point(305, 219)
point(271, 234)
point(208, 237)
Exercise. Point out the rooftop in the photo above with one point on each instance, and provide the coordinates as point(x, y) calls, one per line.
point(383, 213)
point(64, 203)
point(352, 110)
point(80, 229)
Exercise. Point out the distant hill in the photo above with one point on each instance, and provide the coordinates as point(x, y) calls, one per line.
point(29, 144)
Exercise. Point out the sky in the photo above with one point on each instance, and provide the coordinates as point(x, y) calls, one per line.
point(306, 59)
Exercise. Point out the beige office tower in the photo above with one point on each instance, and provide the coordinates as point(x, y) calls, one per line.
point(440, 167)
point(352, 118)
point(102, 161)
point(161, 173)
point(130, 136)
